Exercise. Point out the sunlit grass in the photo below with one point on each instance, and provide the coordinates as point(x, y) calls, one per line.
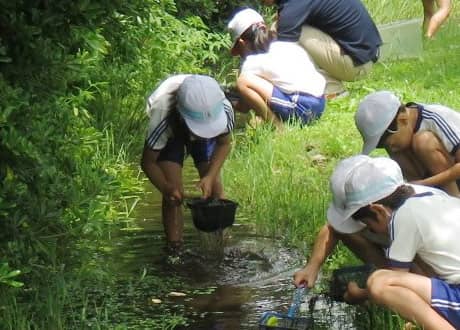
point(385, 11)
point(281, 178)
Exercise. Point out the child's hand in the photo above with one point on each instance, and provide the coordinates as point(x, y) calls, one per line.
point(354, 294)
point(306, 276)
point(205, 185)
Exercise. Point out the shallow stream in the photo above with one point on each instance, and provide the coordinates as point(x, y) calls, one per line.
point(229, 278)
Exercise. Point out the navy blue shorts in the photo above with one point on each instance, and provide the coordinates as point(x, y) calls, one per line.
point(177, 149)
point(296, 106)
point(445, 299)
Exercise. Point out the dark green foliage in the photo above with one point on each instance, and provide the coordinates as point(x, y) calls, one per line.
point(215, 13)
point(73, 80)
point(74, 77)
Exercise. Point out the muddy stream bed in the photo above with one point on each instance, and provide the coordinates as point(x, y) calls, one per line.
point(228, 279)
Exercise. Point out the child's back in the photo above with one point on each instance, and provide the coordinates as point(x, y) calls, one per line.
point(288, 66)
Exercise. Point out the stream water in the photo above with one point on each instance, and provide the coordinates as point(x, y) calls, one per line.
point(231, 277)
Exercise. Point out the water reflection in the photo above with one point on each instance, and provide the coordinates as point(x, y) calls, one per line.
point(232, 277)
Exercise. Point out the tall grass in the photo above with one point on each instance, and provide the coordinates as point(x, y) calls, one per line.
point(281, 178)
point(386, 11)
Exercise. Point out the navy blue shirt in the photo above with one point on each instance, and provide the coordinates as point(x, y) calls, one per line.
point(346, 21)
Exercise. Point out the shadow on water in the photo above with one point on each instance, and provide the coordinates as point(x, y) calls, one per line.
point(230, 278)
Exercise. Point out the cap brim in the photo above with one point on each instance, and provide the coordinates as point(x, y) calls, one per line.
point(370, 145)
point(211, 128)
point(342, 222)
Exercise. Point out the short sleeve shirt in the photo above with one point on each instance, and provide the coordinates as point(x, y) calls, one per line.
point(441, 120)
point(159, 106)
point(419, 189)
point(427, 225)
point(347, 21)
point(287, 66)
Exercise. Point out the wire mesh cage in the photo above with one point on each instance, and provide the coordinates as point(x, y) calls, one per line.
point(290, 321)
point(278, 321)
point(342, 276)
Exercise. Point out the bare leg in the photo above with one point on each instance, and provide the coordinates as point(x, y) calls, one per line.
point(256, 92)
point(434, 157)
point(172, 217)
point(428, 12)
point(370, 252)
point(410, 166)
point(432, 20)
point(407, 294)
point(217, 187)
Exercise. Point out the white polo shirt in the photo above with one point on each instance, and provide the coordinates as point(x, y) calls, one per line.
point(427, 225)
point(349, 225)
point(287, 66)
point(159, 106)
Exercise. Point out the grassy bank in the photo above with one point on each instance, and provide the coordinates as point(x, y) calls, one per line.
point(72, 125)
point(281, 178)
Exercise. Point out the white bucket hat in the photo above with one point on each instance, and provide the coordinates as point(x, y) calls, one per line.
point(359, 181)
point(375, 113)
point(200, 101)
point(240, 22)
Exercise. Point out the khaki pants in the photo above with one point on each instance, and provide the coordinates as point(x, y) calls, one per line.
point(332, 63)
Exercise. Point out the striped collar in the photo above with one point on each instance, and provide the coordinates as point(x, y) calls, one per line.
point(419, 108)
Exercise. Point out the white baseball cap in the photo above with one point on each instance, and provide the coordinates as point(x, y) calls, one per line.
point(375, 113)
point(359, 181)
point(240, 22)
point(200, 101)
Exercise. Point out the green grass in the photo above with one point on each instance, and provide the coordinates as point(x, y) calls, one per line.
point(281, 178)
point(386, 11)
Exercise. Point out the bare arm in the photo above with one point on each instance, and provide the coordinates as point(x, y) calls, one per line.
point(223, 147)
point(451, 174)
point(325, 242)
point(150, 167)
point(410, 165)
point(445, 178)
point(241, 106)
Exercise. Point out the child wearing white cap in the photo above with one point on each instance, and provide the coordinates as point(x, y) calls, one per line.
point(365, 244)
point(425, 225)
point(189, 114)
point(277, 79)
point(423, 138)
point(339, 35)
